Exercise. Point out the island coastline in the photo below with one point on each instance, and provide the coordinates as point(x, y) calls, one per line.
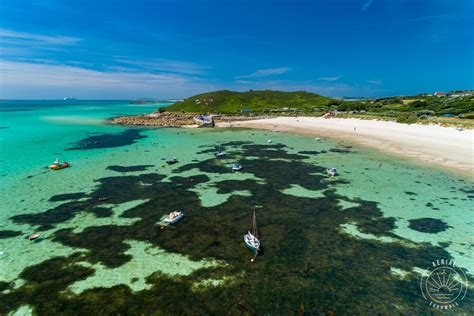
point(445, 147)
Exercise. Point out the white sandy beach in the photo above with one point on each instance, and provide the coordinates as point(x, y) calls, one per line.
point(442, 146)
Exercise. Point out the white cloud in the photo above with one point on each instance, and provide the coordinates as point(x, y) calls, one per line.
point(12, 37)
point(429, 17)
point(328, 89)
point(266, 72)
point(18, 79)
point(330, 78)
point(375, 81)
point(366, 5)
point(167, 65)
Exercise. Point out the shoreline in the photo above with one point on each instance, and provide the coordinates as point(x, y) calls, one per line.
point(436, 145)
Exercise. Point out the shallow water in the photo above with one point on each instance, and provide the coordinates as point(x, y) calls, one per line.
point(326, 242)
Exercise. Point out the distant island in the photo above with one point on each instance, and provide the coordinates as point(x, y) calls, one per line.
point(451, 108)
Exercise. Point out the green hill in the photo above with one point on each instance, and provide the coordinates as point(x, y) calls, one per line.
point(406, 109)
point(225, 101)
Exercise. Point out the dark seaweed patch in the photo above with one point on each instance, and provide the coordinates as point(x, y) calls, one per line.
point(67, 197)
point(341, 150)
point(9, 234)
point(410, 193)
point(307, 257)
point(16, 110)
point(312, 152)
point(428, 225)
point(4, 286)
point(125, 138)
point(129, 168)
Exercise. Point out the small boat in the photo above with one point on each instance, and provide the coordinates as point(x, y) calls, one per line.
point(236, 167)
point(269, 141)
point(56, 165)
point(174, 217)
point(332, 172)
point(172, 161)
point(251, 238)
point(220, 153)
point(33, 237)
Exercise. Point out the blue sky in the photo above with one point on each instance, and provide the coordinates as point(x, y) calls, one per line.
point(173, 49)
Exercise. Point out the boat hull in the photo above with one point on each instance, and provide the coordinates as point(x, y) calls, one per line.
point(174, 220)
point(60, 166)
point(252, 243)
point(251, 248)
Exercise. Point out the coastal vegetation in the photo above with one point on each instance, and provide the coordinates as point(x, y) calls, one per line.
point(229, 102)
point(453, 109)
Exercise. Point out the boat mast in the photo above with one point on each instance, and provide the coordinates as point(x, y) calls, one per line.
point(254, 225)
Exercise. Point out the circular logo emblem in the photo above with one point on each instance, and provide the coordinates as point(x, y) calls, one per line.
point(444, 284)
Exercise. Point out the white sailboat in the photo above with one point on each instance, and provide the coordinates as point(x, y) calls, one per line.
point(220, 153)
point(251, 238)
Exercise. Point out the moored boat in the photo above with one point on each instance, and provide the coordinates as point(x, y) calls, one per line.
point(251, 238)
point(332, 172)
point(220, 153)
point(173, 217)
point(56, 165)
point(33, 237)
point(236, 167)
point(172, 161)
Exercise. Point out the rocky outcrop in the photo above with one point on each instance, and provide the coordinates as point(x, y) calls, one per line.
point(167, 119)
point(174, 119)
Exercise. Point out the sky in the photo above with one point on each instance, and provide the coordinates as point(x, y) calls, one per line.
point(51, 49)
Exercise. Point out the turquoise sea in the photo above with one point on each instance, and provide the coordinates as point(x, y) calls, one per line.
point(353, 244)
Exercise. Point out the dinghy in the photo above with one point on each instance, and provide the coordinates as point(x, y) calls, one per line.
point(174, 217)
point(251, 238)
point(236, 167)
point(172, 161)
point(56, 165)
point(332, 172)
point(33, 237)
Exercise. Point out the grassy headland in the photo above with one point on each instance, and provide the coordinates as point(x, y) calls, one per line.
point(230, 102)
